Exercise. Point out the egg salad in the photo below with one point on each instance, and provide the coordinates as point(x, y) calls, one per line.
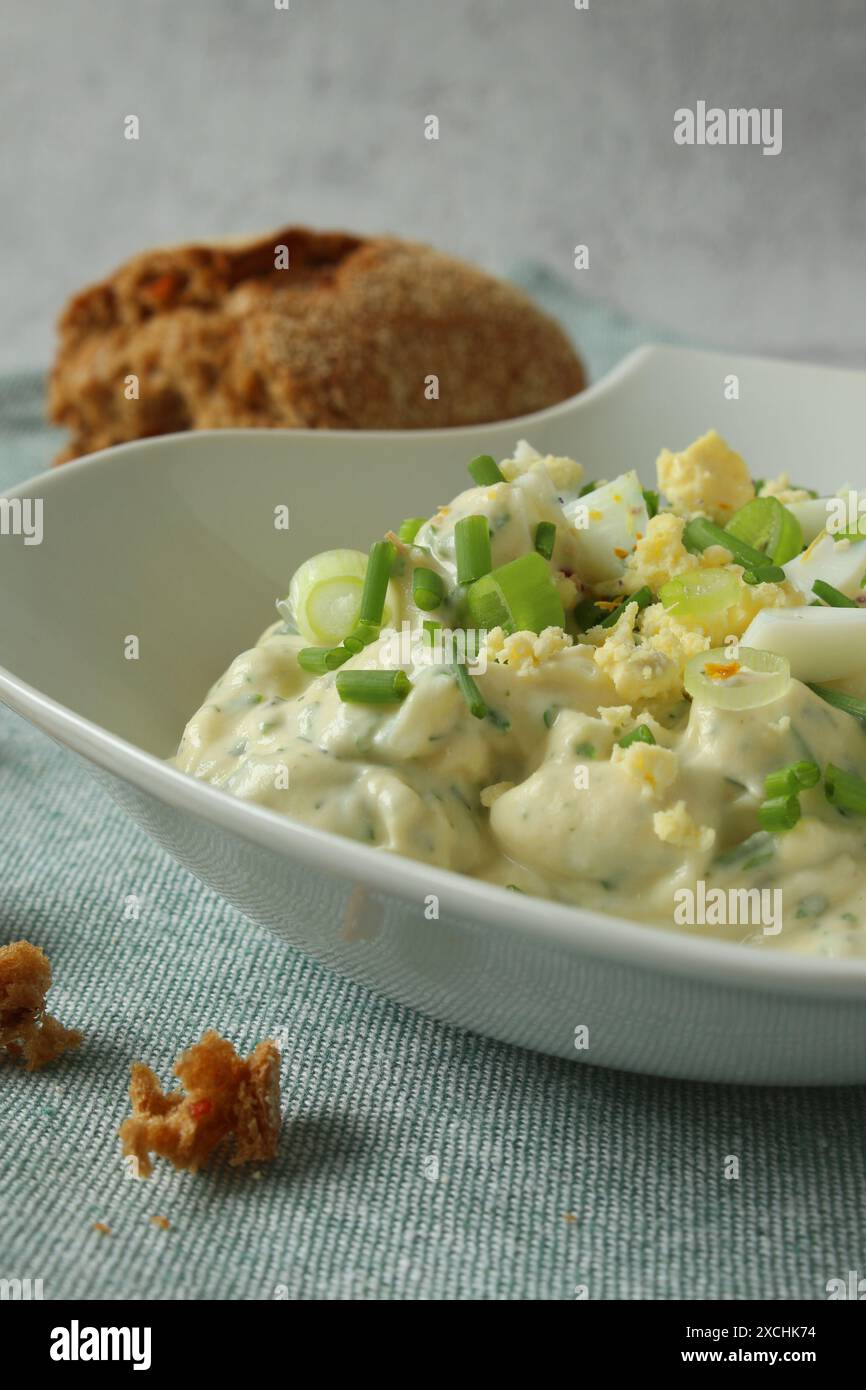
point(650, 702)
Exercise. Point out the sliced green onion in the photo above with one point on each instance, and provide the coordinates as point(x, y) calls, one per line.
point(519, 597)
point(587, 488)
point(431, 627)
point(780, 813)
point(849, 703)
point(472, 549)
point(642, 597)
point(372, 687)
point(485, 470)
point(549, 716)
point(324, 599)
point(428, 591)
point(470, 692)
point(642, 734)
point(700, 593)
point(793, 778)
point(379, 566)
point(755, 678)
point(545, 538)
point(320, 660)
point(845, 790)
point(651, 499)
point(834, 597)
point(766, 526)
point(410, 528)
point(361, 636)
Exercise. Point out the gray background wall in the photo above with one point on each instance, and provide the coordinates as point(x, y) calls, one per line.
point(556, 127)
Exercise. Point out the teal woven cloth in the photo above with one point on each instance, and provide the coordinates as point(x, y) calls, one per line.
point(416, 1161)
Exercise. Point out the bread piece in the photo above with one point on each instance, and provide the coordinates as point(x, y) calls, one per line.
point(26, 1030)
point(222, 1096)
point(214, 336)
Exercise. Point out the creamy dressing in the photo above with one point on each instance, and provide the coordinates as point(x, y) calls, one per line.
point(538, 796)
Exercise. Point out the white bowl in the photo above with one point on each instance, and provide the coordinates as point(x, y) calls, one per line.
point(172, 539)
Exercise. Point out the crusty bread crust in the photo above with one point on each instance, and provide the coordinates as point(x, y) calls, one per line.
point(346, 337)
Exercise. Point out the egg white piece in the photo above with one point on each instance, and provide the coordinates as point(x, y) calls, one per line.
point(840, 563)
point(612, 519)
point(812, 516)
point(821, 644)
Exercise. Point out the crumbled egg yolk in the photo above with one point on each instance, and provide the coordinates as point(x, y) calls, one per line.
point(652, 767)
point(676, 827)
point(781, 489)
point(706, 479)
point(525, 651)
point(564, 473)
point(638, 670)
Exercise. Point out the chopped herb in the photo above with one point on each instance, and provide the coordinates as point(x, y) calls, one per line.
point(642, 734)
point(812, 905)
point(585, 750)
point(651, 499)
point(749, 854)
point(845, 790)
point(549, 716)
point(499, 721)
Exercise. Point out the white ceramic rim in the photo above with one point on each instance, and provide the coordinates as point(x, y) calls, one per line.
point(602, 935)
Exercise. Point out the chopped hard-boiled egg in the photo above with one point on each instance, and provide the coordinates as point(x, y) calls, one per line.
point(608, 523)
point(821, 644)
point(840, 563)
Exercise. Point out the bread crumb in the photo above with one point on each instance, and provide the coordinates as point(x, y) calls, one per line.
point(569, 1217)
point(161, 1221)
point(221, 1096)
point(102, 1229)
point(26, 1030)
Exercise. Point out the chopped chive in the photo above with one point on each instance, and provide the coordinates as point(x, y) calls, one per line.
point(545, 538)
point(485, 470)
point(431, 627)
point(428, 591)
point(470, 692)
point(700, 533)
point(410, 528)
point(472, 549)
point(376, 579)
point(849, 703)
point(779, 813)
point(513, 888)
point(793, 778)
point(361, 636)
point(372, 687)
point(549, 716)
point(586, 615)
point(651, 499)
point(519, 597)
point(585, 750)
point(845, 790)
point(758, 849)
point(764, 574)
point(320, 660)
point(642, 597)
point(587, 487)
point(642, 734)
point(499, 721)
point(834, 597)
